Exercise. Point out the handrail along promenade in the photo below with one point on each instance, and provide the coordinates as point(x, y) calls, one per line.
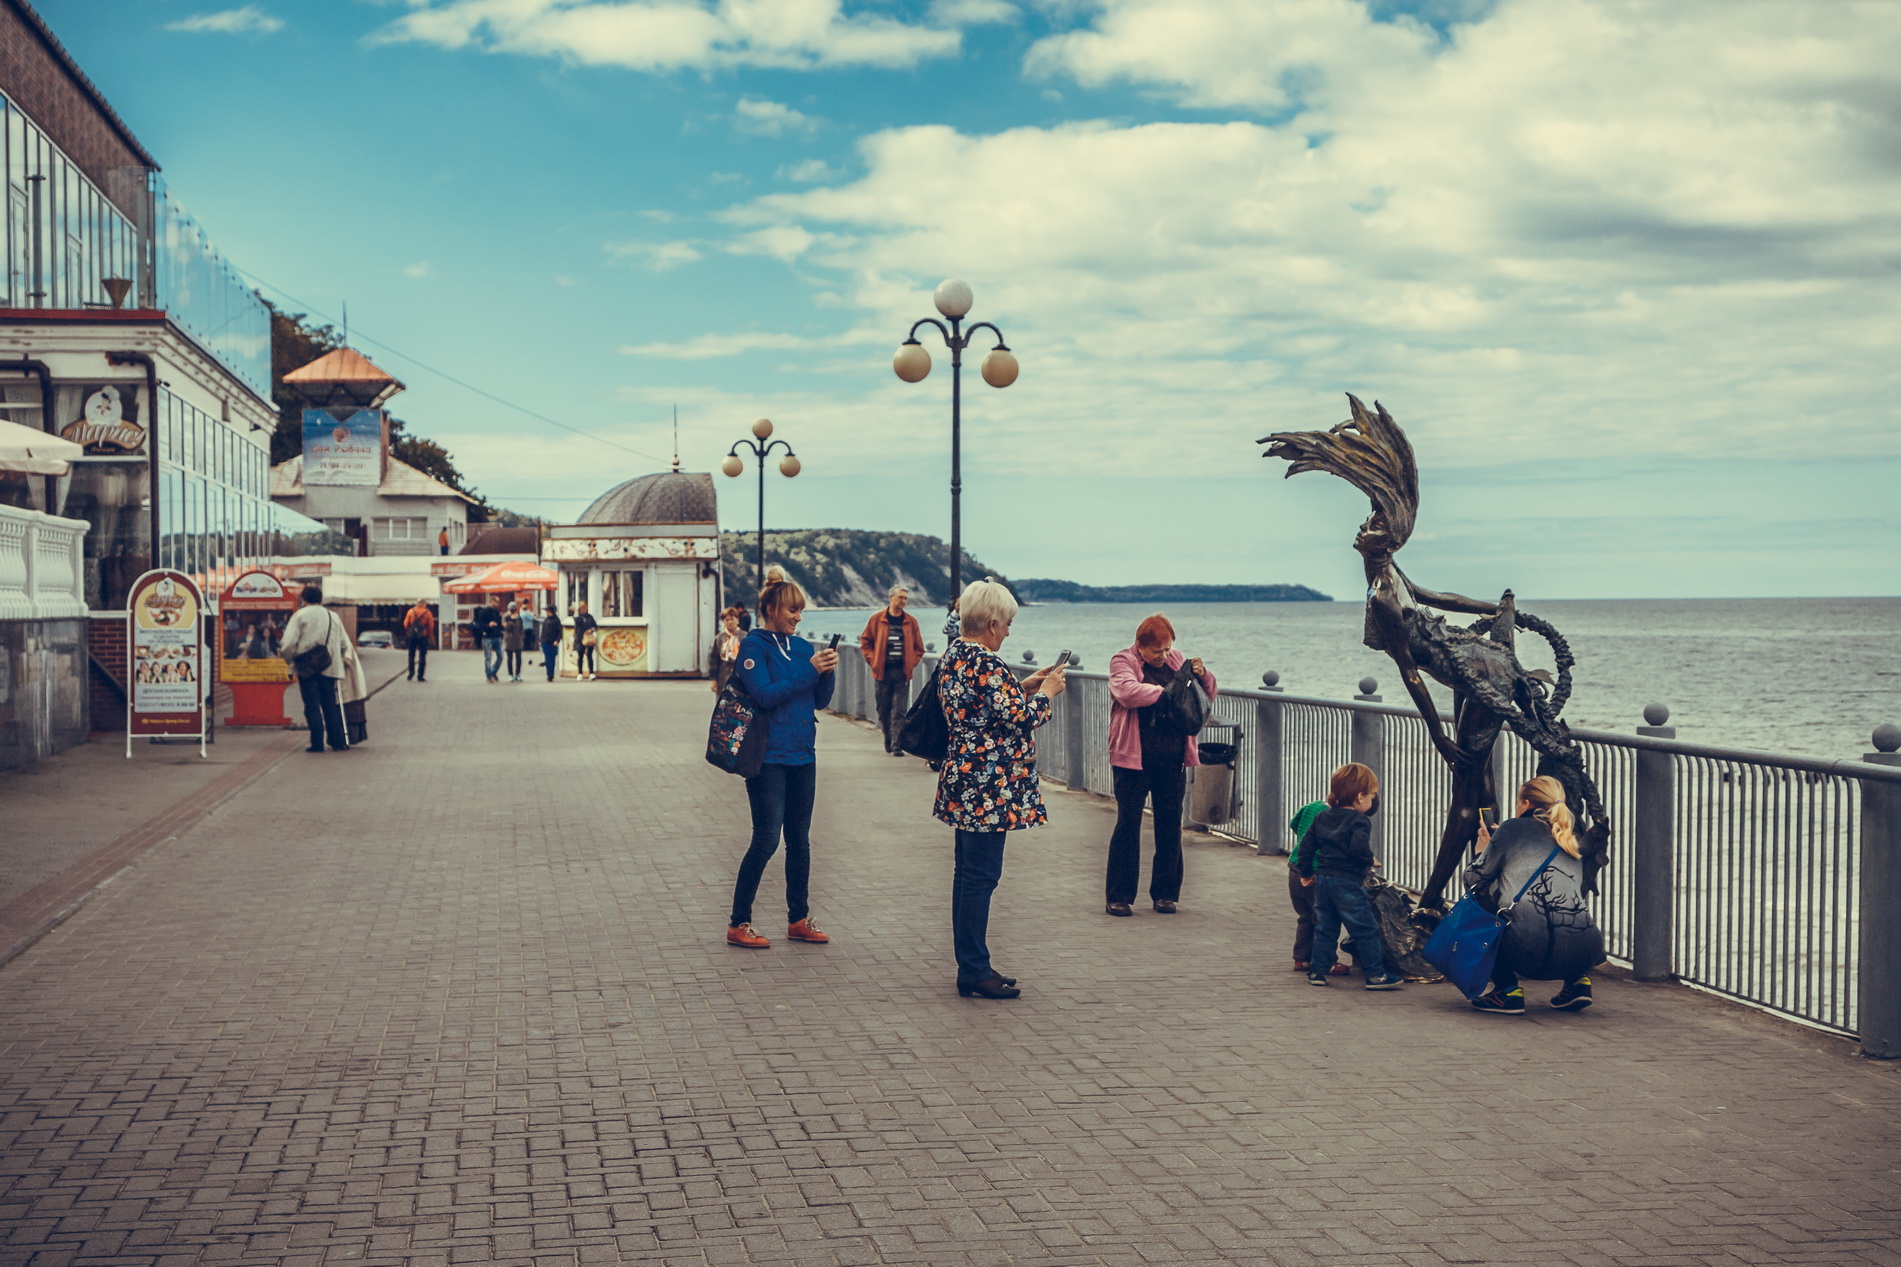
point(1771, 879)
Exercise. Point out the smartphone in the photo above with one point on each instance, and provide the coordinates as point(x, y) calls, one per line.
point(1062, 658)
point(1489, 819)
point(833, 644)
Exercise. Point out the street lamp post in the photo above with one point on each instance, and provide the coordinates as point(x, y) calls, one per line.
point(761, 447)
point(912, 363)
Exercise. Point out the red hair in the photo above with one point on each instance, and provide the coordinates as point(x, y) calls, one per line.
point(1154, 631)
point(1351, 782)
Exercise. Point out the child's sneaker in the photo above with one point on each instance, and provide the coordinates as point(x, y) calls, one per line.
point(1512, 1004)
point(1385, 981)
point(1317, 978)
point(1575, 997)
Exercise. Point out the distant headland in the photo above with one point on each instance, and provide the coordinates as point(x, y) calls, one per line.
point(1042, 590)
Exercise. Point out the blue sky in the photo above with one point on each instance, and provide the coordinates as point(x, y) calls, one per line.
point(1627, 276)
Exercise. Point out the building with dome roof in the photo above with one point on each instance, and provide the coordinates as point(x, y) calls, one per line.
point(644, 557)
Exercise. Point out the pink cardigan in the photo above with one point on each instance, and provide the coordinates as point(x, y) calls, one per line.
point(1128, 692)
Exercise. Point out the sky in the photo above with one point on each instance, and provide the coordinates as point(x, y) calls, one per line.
point(1626, 273)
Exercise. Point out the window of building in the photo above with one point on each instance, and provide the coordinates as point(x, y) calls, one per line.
point(621, 593)
point(401, 528)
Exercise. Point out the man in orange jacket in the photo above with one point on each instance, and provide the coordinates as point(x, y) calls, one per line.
point(893, 647)
point(419, 627)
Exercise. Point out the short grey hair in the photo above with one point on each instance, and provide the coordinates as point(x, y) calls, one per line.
point(985, 604)
point(894, 591)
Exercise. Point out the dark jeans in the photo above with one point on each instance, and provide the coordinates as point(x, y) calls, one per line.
point(514, 663)
point(549, 650)
point(418, 656)
point(781, 797)
point(1133, 788)
point(491, 657)
point(1340, 899)
point(322, 711)
point(979, 867)
point(583, 659)
point(1303, 899)
point(894, 698)
point(1504, 979)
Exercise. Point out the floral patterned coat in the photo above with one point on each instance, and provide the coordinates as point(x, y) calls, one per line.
point(989, 780)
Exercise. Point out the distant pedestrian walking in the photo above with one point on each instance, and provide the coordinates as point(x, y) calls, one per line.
point(725, 648)
point(550, 639)
point(988, 784)
point(1149, 757)
point(788, 683)
point(514, 638)
point(486, 624)
point(1337, 855)
point(315, 644)
point(419, 630)
point(1549, 934)
point(587, 632)
point(442, 541)
point(893, 647)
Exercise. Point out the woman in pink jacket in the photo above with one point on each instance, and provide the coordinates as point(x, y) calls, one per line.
point(1149, 765)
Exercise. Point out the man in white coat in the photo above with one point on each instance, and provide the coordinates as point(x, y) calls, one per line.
point(313, 626)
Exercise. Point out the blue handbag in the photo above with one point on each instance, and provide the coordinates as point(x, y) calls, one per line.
point(1465, 945)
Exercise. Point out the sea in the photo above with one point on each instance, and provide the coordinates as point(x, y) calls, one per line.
point(1808, 676)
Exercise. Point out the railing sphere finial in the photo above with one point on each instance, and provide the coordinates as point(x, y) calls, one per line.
point(1368, 685)
point(1887, 737)
point(1270, 678)
point(1656, 714)
point(1029, 657)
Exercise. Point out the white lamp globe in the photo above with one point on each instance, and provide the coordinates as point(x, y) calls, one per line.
point(732, 465)
point(762, 427)
point(1000, 368)
point(912, 362)
point(953, 298)
point(788, 466)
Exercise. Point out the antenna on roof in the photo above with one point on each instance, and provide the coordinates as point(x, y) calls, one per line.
point(676, 437)
point(346, 323)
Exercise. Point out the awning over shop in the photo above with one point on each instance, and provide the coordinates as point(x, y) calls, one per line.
point(35, 452)
point(505, 578)
point(369, 589)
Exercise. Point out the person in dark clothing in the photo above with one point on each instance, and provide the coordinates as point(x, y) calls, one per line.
point(1338, 852)
point(419, 630)
point(788, 682)
point(550, 639)
point(486, 625)
point(1148, 766)
point(514, 640)
point(1301, 893)
point(893, 647)
point(586, 631)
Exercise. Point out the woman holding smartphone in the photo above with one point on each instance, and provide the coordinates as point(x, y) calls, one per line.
point(788, 682)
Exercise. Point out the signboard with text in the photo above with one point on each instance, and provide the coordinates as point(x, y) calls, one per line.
point(255, 608)
point(343, 447)
point(165, 661)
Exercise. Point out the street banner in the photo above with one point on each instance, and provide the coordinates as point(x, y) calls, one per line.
point(343, 447)
point(166, 623)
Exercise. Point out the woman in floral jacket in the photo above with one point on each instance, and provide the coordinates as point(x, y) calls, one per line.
point(988, 783)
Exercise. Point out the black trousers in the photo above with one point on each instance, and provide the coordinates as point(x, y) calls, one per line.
point(418, 657)
point(894, 700)
point(514, 663)
point(323, 712)
point(583, 659)
point(1165, 788)
point(1302, 896)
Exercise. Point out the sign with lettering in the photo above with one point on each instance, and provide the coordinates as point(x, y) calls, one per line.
point(109, 421)
point(165, 660)
point(344, 447)
point(255, 608)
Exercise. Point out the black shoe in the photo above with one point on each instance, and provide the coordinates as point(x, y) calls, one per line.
point(1164, 906)
point(1385, 981)
point(313, 748)
point(991, 987)
point(1318, 978)
point(1575, 997)
point(1118, 908)
point(1512, 1004)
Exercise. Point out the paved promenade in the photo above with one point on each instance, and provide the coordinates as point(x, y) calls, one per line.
point(461, 996)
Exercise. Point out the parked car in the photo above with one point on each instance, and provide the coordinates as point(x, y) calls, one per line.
point(375, 638)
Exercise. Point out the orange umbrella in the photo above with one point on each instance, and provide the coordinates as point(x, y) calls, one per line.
point(505, 578)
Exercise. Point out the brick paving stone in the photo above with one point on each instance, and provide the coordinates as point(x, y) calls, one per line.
point(462, 996)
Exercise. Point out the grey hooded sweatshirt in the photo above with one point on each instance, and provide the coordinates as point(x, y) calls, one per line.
point(1550, 935)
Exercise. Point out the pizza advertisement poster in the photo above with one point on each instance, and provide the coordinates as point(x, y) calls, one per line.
point(165, 687)
point(623, 650)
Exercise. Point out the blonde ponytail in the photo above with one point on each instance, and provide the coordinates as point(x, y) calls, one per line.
point(1546, 798)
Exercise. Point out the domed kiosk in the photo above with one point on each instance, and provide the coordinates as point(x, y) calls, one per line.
point(644, 557)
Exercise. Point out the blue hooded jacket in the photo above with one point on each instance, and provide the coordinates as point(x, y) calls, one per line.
point(776, 670)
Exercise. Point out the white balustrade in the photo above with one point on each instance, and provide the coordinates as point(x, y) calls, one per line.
point(41, 574)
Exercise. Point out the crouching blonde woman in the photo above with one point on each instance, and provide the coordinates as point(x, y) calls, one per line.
point(988, 784)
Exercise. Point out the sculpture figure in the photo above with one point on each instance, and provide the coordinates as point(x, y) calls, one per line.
point(1477, 662)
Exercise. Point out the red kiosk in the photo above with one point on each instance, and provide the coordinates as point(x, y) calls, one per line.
point(249, 663)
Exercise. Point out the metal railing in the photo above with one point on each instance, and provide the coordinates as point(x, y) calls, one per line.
point(1773, 880)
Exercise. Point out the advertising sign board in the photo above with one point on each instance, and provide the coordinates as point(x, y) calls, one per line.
point(343, 447)
point(255, 608)
point(165, 658)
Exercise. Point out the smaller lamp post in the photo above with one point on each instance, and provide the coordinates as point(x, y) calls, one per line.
point(761, 446)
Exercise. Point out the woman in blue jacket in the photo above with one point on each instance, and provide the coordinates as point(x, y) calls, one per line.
point(788, 684)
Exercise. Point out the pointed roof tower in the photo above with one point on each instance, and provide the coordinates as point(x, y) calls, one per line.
point(343, 377)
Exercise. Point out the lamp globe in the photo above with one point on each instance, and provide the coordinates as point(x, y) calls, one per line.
point(762, 427)
point(732, 465)
point(911, 363)
point(1000, 368)
point(953, 298)
point(788, 466)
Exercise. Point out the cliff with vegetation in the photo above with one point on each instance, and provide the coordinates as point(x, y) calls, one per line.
point(1048, 591)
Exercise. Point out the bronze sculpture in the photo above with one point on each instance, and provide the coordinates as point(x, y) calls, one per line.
point(1490, 688)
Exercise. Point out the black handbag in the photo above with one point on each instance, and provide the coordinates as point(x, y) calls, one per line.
point(1184, 707)
point(314, 660)
point(925, 732)
point(736, 737)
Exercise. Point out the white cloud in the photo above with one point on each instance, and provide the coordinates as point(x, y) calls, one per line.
point(1571, 227)
point(249, 20)
point(972, 12)
point(658, 256)
point(656, 35)
point(419, 269)
point(809, 172)
point(710, 346)
point(758, 117)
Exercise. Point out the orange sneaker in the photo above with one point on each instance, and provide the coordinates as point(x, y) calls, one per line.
point(743, 935)
point(806, 930)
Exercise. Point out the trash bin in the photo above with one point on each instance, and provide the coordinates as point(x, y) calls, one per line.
point(1211, 794)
